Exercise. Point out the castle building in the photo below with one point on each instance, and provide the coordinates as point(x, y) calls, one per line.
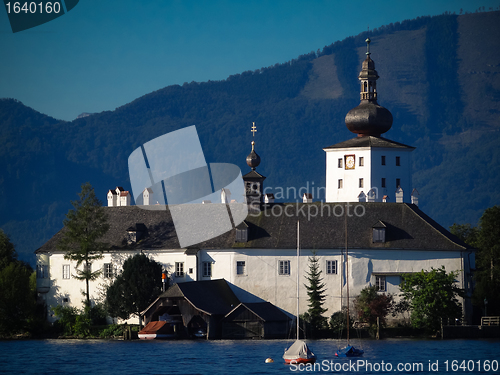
point(370, 209)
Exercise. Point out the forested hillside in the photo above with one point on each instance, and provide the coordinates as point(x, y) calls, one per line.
point(439, 76)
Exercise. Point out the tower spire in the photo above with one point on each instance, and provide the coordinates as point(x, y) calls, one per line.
point(253, 160)
point(368, 118)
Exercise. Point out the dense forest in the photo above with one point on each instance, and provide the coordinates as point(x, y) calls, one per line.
point(439, 76)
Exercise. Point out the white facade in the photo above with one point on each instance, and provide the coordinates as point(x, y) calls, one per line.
point(344, 183)
point(262, 280)
point(62, 288)
point(266, 275)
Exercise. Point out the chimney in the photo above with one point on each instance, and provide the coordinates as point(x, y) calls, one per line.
point(399, 195)
point(414, 197)
point(269, 198)
point(225, 196)
point(307, 198)
point(147, 197)
point(371, 195)
point(385, 198)
point(362, 197)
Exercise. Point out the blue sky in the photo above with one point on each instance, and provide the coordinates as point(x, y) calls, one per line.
point(104, 54)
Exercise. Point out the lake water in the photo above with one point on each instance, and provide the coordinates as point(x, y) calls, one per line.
point(243, 357)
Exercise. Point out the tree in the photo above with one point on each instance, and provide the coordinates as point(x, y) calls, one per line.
point(17, 292)
point(488, 261)
point(371, 305)
point(432, 296)
point(135, 288)
point(7, 251)
point(338, 320)
point(486, 239)
point(466, 233)
point(316, 294)
point(84, 226)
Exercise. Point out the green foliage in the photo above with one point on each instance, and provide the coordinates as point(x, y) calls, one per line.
point(488, 261)
point(135, 288)
point(338, 320)
point(7, 251)
point(113, 330)
point(17, 291)
point(316, 293)
point(433, 297)
point(17, 300)
point(401, 309)
point(73, 322)
point(371, 305)
point(466, 233)
point(486, 239)
point(82, 324)
point(84, 226)
point(66, 318)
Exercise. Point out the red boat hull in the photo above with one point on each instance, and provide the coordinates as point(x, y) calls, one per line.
point(300, 360)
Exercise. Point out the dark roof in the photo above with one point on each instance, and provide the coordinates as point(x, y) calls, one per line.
point(266, 311)
point(160, 230)
point(253, 175)
point(369, 141)
point(213, 297)
point(407, 227)
point(321, 226)
point(379, 224)
point(242, 225)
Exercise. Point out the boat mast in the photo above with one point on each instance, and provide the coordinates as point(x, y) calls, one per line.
point(347, 274)
point(298, 279)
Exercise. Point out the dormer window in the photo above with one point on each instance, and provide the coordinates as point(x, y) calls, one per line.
point(135, 233)
point(242, 232)
point(379, 232)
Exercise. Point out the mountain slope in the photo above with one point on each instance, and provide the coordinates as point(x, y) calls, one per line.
point(439, 76)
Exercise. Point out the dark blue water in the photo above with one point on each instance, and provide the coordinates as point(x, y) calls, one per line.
point(243, 357)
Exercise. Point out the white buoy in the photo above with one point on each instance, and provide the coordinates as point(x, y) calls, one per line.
point(269, 360)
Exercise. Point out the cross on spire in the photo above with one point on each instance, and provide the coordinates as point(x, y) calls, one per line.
point(254, 129)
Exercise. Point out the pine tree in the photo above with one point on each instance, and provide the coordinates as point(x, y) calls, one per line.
point(84, 226)
point(316, 294)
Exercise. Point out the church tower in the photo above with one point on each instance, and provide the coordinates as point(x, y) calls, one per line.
point(368, 167)
point(253, 180)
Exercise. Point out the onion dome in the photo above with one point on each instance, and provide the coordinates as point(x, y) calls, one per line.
point(253, 160)
point(368, 118)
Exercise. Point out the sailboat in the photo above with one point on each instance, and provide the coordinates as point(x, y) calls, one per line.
point(298, 352)
point(348, 350)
